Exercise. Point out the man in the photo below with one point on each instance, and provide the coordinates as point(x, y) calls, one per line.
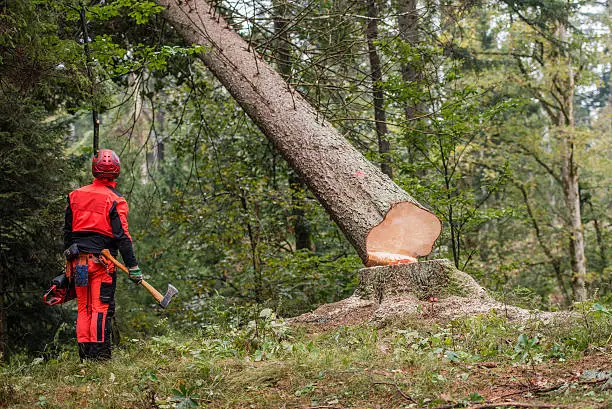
point(96, 219)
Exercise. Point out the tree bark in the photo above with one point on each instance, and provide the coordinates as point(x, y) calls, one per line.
point(380, 116)
point(569, 176)
point(160, 146)
point(432, 278)
point(253, 233)
point(301, 227)
point(561, 89)
point(375, 214)
point(609, 51)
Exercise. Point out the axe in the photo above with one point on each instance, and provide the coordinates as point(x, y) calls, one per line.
point(163, 300)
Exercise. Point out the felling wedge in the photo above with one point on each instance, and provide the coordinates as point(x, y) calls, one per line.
point(163, 300)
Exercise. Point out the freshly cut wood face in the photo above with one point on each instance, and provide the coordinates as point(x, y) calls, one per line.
point(408, 231)
point(382, 258)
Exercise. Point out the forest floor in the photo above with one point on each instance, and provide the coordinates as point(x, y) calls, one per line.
point(475, 362)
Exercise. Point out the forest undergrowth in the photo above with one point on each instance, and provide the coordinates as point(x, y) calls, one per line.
point(476, 362)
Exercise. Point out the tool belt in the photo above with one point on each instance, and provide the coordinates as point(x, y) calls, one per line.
point(71, 252)
point(77, 264)
point(63, 287)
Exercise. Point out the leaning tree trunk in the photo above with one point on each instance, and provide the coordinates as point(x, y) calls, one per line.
point(381, 221)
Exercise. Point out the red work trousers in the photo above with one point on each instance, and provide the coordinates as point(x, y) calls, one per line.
point(95, 292)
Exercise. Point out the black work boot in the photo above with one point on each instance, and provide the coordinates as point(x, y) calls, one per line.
point(84, 350)
point(100, 351)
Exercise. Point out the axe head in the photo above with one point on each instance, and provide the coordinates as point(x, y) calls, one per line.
point(171, 292)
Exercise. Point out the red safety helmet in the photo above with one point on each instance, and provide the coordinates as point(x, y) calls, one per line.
point(105, 165)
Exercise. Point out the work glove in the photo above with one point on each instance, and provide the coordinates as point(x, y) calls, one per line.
point(135, 274)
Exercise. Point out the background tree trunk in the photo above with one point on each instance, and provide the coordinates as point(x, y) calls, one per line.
point(282, 55)
point(569, 178)
point(374, 213)
point(408, 32)
point(609, 52)
point(380, 116)
point(561, 89)
point(3, 330)
point(90, 74)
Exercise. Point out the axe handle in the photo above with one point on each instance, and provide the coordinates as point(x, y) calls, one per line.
point(156, 294)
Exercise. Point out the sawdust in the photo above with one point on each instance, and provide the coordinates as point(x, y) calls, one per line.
point(391, 292)
point(350, 311)
point(354, 311)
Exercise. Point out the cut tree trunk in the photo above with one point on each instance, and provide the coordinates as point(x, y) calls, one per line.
point(381, 221)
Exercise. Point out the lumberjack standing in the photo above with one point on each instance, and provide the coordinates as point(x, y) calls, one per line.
point(96, 219)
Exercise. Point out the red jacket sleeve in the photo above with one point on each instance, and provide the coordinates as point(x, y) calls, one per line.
point(119, 223)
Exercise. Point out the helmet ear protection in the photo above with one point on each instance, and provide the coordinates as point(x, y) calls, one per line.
point(105, 164)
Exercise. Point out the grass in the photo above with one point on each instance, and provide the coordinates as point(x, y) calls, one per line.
point(266, 364)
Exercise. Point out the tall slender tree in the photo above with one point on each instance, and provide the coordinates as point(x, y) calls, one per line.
point(378, 96)
point(408, 26)
point(282, 55)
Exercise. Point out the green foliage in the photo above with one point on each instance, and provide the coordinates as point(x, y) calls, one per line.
point(185, 397)
point(443, 165)
point(139, 11)
point(117, 61)
point(526, 348)
point(35, 62)
point(221, 201)
point(31, 217)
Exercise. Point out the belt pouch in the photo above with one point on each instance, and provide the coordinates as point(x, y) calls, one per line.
point(81, 272)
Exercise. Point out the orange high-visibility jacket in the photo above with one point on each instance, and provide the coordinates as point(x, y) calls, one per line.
point(96, 218)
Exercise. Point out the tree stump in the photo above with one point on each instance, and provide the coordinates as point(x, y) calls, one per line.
point(433, 290)
point(421, 280)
